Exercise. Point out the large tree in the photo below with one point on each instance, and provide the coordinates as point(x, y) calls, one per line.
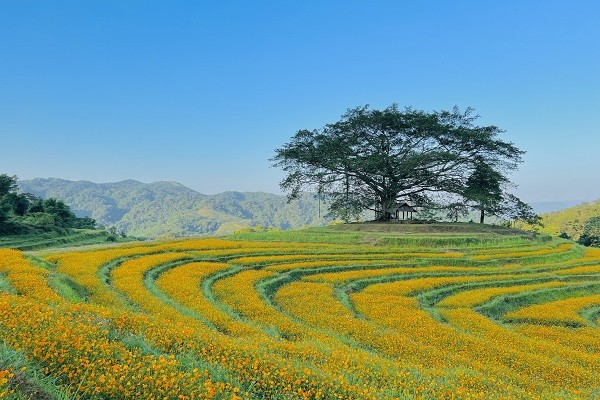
point(370, 159)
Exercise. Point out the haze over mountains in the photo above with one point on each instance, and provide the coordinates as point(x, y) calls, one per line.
point(544, 207)
point(172, 209)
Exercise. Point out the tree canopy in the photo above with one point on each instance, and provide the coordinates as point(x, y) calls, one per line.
point(371, 159)
point(591, 233)
point(483, 189)
point(25, 213)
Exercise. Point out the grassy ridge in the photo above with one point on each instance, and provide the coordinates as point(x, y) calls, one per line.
point(77, 237)
point(390, 234)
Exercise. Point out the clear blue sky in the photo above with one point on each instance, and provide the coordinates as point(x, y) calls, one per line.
point(203, 92)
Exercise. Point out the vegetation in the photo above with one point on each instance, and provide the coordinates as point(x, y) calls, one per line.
point(373, 159)
point(591, 233)
point(172, 210)
point(483, 189)
point(24, 213)
point(44, 240)
point(438, 234)
point(579, 222)
point(357, 311)
point(168, 209)
point(483, 192)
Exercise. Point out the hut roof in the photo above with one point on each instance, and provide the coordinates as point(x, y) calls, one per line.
point(404, 207)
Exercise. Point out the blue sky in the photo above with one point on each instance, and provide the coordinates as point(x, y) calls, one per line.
point(203, 92)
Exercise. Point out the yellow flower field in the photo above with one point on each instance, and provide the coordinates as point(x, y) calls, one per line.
point(231, 319)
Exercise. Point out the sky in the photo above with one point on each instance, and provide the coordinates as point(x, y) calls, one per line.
point(202, 93)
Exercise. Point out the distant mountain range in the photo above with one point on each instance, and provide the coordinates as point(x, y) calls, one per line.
point(171, 209)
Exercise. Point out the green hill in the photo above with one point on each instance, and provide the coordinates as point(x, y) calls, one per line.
point(171, 209)
point(571, 220)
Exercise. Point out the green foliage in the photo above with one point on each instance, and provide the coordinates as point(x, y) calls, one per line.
point(573, 221)
point(512, 208)
point(8, 184)
point(427, 214)
point(483, 189)
point(346, 208)
point(40, 220)
point(168, 209)
point(591, 233)
point(589, 240)
point(592, 227)
point(85, 223)
point(371, 159)
point(25, 213)
point(454, 212)
point(29, 380)
point(439, 235)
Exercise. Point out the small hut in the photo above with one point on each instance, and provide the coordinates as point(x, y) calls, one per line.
point(404, 208)
point(398, 211)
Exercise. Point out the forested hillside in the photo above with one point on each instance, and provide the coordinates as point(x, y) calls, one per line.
point(574, 221)
point(171, 209)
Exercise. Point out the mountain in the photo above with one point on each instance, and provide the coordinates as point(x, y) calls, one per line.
point(571, 220)
point(172, 209)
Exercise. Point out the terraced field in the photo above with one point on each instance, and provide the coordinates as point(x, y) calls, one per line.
point(304, 318)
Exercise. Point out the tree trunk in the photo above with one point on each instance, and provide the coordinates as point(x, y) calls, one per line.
point(482, 216)
point(386, 202)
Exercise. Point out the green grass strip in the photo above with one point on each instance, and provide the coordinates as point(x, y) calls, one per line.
point(28, 381)
point(591, 314)
point(51, 240)
point(5, 285)
point(498, 307)
point(154, 273)
point(64, 286)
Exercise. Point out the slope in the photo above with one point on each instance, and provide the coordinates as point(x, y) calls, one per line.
point(171, 209)
point(571, 220)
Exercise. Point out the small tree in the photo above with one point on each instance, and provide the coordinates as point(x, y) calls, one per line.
point(592, 226)
point(483, 190)
point(41, 221)
point(61, 212)
point(589, 240)
point(9, 200)
point(591, 233)
point(19, 203)
point(8, 184)
point(4, 215)
point(85, 223)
